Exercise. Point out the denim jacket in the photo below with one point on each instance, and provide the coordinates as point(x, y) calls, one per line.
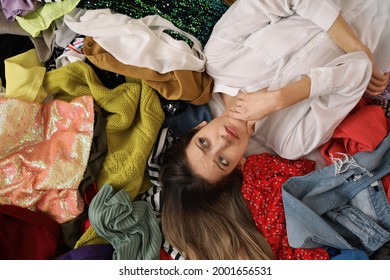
point(342, 205)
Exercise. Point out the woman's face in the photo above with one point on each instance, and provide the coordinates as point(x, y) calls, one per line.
point(218, 147)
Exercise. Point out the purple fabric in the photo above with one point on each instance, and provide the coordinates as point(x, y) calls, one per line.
point(90, 252)
point(13, 8)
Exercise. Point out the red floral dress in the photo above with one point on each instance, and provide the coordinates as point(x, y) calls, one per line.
point(264, 175)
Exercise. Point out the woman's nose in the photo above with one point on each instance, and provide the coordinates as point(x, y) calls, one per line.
point(226, 138)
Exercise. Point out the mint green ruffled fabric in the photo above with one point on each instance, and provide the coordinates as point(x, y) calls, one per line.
point(130, 227)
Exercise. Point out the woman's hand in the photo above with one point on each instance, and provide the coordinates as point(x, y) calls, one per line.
point(257, 105)
point(346, 38)
point(252, 106)
point(378, 82)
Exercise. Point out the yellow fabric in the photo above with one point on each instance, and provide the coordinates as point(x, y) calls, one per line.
point(41, 18)
point(134, 119)
point(134, 113)
point(27, 74)
point(90, 237)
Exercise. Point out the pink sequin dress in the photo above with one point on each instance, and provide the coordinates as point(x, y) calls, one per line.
point(44, 150)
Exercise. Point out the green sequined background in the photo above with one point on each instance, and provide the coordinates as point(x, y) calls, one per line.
point(196, 17)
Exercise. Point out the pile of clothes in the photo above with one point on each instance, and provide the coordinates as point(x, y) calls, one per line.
point(93, 92)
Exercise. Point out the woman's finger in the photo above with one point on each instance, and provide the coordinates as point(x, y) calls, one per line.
point(371, 92)
point(378, 82)
point(380, 76)
point(239, 103)
point(236, 115)
point(375, 88)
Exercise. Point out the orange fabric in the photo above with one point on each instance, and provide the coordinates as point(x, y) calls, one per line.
point(193, 87)
point(229, 2)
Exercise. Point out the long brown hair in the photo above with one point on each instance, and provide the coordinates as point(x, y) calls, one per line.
point(204, 220)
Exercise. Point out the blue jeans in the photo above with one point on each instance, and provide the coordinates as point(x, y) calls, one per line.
point(342, 205)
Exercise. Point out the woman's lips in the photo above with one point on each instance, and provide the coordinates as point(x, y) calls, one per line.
point(232, 132)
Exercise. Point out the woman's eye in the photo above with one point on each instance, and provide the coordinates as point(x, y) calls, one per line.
point(223, 161)
point(203, 142)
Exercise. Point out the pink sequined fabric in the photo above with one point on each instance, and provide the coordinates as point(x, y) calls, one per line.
point(44, 151)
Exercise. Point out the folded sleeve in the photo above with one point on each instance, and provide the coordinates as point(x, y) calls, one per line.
point(323, 13)
point(247, 16)
point(348, 73)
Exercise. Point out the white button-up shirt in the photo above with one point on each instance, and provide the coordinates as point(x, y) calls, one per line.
point(269, 44)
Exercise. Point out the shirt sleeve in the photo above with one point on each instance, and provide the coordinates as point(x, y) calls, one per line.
point(247, 16)
point(322, 12)
point(348, 73)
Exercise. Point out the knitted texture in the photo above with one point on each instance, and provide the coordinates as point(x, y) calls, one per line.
point(134, 117)
point(90, 237)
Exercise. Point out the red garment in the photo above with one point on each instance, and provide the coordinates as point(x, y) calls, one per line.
point(27, 235)
point(263, 178)
point(164, 255)
point(386, 186)
point(363, 130)
point(89, 194)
